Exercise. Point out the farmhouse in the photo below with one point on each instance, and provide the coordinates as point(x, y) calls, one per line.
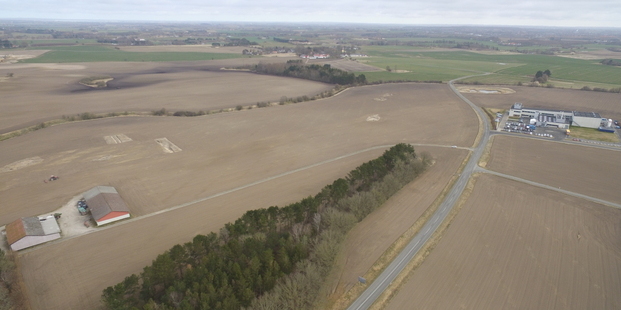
point(557, 118)
point(106, 205)
point(30, 231)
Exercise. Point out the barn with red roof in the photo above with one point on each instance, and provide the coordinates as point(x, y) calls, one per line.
point(106, 205)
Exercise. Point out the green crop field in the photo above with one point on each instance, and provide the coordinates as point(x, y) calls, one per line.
point(95, 53)
point(509, 69)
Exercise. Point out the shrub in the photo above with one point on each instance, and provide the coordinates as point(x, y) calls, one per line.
point(161, 112)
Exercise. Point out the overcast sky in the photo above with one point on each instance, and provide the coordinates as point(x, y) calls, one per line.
point(567, 13)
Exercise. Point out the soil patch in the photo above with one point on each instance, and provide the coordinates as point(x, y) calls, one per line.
point(22, 164)
point(96, 82)
point(116, 139)
point(373, 118)
point(485, 90)
point(167, 146)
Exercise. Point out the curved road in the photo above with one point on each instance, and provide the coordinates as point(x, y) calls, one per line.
point(368, 297)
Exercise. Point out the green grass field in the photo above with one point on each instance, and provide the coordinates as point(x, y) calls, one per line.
point(95, 53)
point(593, 134)
point(508, 69)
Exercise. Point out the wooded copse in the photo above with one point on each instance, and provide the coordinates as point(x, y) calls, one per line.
point(321, 73)
point(274, 258)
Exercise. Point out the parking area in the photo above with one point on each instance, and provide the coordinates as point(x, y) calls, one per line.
point(523, 126)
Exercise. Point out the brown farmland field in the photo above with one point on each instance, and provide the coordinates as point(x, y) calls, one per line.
point(606, 104)
point(585, 170)
point(515, 246)
point(219, 152)
point(40, 92)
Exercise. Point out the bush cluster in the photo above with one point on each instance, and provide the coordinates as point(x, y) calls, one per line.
point(600, 89)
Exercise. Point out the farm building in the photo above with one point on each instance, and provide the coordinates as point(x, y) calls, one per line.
point(106, 205)
point(556, 118)
point(30, 231)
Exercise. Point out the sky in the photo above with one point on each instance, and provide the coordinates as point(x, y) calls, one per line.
point(562, 13)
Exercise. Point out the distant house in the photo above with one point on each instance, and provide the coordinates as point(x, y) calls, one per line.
point(30, 231)
point(106, 205)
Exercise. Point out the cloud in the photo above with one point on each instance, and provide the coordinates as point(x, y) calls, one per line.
point(536, 13)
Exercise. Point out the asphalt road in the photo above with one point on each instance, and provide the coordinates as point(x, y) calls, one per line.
point(368, 297)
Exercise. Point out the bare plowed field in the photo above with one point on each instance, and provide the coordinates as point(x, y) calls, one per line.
point(607, 104)
point(514, 246)
point(220, 152)
point(586, 170)
point(372, 237)
point(42, 92)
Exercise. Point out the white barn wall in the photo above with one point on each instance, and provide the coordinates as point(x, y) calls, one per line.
point(29, 241)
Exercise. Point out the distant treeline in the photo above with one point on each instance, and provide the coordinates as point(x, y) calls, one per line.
point(314, 72)
point(274, 258)
point(6, 44)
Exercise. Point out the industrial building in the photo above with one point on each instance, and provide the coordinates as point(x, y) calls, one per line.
point(557, 118)
point(586, 119)
point(106, 205)
point(30, 231)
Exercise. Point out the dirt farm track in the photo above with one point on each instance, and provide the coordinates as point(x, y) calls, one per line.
point(511, 245)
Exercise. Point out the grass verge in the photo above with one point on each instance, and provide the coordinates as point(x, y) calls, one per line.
point(486, 153)
point(593, 134)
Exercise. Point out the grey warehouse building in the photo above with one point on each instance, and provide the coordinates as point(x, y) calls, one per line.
point(557, 118)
